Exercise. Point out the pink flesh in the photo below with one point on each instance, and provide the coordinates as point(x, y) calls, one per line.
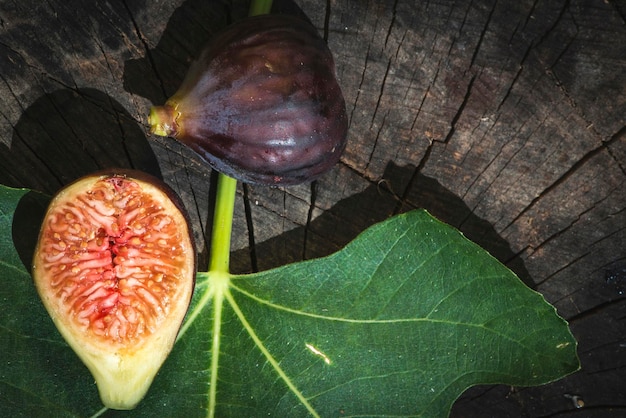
point(113, 257)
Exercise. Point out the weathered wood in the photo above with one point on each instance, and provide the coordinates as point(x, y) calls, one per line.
point(504, 119)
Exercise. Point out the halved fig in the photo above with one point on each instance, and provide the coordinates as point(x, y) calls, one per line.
point(115, 269)
point(261, 103)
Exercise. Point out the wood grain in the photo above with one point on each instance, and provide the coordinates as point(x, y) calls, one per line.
point(505, 119)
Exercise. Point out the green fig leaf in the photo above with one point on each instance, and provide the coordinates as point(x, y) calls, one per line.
point(400, 322)
point(39, 374)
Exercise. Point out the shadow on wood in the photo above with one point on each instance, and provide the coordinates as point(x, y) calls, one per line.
point(336, 227)
point(67, 134)
point(158, 75)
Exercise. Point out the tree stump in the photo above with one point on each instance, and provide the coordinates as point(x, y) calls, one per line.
point(503, 119)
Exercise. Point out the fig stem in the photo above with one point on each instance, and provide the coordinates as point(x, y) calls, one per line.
point(260, 7)
point(222, 224)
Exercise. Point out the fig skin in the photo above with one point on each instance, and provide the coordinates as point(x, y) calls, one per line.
point(261, 103)
point(115, 268)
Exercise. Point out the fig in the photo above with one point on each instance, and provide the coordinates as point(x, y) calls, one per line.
point(115, 268)
point(261, 103)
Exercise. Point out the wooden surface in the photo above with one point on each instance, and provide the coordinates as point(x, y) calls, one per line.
point(505, 119)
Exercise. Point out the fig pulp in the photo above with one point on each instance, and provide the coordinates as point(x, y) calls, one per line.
point(115, 269)
point(261, 103)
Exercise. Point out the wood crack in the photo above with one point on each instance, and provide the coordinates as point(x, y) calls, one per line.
point(309, 218)
point(482, 34)
point(427, 153)
point(460, 110)
point(596, 310)
point(556, 22)
point(380, 93)
point(375, 144)
point(359, 89)
point(250, 226)
point(515, 79)
point(146, 46)
point(327, 20)
point(392, 22)
point(13, 95)
point(574, 168)
point(618, 136)
point(564, 267)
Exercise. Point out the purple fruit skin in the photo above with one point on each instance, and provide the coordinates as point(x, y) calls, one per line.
point(262, 103)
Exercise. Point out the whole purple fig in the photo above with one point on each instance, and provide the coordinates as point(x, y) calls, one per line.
point(261, 103)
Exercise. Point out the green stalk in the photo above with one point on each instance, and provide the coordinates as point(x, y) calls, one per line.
point(219, 270)
point(260, 7)
point(222, 224)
